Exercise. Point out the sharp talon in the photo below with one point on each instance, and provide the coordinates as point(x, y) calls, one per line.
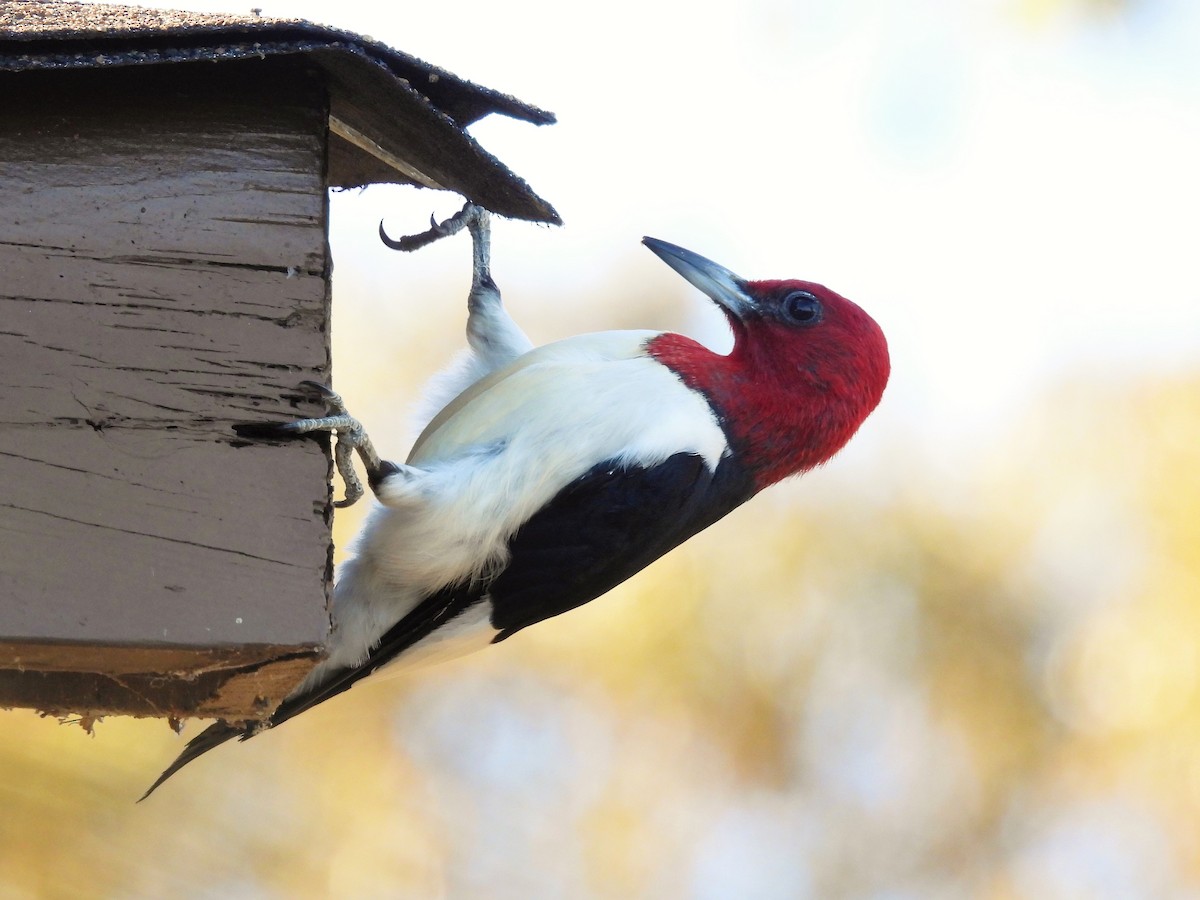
point(321, 390)
point(405, 242)
point(410, 242)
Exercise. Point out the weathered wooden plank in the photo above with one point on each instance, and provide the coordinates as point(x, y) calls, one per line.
point(163, 274)
point(90, 362)
point(167, 162)
point(121, 541)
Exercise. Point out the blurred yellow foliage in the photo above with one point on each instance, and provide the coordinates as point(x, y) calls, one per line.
point(1040, 11)
point(840, 689)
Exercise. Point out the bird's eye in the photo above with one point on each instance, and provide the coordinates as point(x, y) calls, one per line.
point(802, 308)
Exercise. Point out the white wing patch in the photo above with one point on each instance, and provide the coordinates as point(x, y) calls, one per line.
point(601, 391)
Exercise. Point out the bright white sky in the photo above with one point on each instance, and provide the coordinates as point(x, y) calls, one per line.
point(1014, 199)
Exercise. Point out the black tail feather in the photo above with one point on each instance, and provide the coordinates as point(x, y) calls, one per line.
point(428, 616)
point(213, 736)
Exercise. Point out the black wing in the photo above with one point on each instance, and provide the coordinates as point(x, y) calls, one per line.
point(605, 527)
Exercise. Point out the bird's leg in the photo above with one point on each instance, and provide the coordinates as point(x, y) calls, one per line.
point(351, 438)
point(496, 339)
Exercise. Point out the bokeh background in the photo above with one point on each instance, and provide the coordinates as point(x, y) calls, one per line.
point(961, 660)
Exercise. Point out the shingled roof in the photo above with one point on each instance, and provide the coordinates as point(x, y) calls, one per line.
point(405, 118)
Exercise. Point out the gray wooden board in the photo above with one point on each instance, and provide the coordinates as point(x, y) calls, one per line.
point(163, 274)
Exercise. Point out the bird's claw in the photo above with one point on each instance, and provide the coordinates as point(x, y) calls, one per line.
point(470, 216)
point(351, 438)
point(326, 393)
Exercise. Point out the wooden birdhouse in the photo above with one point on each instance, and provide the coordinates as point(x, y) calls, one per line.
point(164, 274)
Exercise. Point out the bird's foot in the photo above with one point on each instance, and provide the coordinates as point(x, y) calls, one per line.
point(351, 438)
point(473, 217)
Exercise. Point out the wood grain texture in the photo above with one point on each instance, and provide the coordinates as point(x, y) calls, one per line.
point(164, 273)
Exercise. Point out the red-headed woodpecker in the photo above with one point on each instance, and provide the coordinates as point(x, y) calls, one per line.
point(554, 474)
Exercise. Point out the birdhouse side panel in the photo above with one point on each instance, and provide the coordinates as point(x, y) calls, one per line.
point(165, 275)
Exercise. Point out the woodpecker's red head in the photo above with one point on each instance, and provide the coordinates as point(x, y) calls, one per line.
point(807, 366)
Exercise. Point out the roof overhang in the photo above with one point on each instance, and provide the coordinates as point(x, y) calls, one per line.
point(393, 118)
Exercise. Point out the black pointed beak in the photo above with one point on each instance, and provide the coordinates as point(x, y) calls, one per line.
point(723, 287)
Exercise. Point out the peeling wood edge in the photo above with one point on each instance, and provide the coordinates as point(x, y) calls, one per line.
point(168, 660)
point(240, 693)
